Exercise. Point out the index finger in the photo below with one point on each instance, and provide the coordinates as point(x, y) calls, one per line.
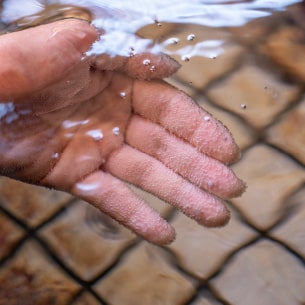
point(177, 112)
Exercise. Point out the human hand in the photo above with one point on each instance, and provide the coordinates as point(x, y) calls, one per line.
point(68, 124)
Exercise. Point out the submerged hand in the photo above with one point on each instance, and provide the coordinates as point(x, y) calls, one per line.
point(68, 124)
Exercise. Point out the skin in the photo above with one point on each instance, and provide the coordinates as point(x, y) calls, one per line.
point(57, 125)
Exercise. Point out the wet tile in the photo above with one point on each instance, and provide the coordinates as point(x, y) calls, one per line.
point(254, 94)
point(264, 274)
point(10, 234)
point(243, 134)
point(86, 299)
point(145, 276)
point(291, 230)
point(289, 132)
point(30, 278)
point(286, 48)
point(271, 177)
point(31, 204)
point(253, 31)
point(205, 298)
point(211, 54)
point(86, 240)
point(201, 251)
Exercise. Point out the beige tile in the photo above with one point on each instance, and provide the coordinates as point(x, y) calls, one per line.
point(30, 278)
point(254, 94)
point(291, 230)
point(145, 277)
point(86, 240)
point(86, 299)
point(286, 48)
point(10, 234)
point(271, 177)
point(289, 132)
point(202, 251)
point(205, 298)
point(264, 274)
point(208, 60)
point(243, 134)
point(30, 203)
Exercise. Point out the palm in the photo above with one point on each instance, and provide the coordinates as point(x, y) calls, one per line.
point(91, 130)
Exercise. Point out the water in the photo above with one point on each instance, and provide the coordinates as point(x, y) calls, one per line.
point(240, 62)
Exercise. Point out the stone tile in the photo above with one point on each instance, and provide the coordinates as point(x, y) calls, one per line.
point(289, 132)
point(271, 177)
point(243, 134)
point(30, 278)
point(86, 299)
point(201, 251)
point(253, 31)
point(31, 204)
point(10, 234)
point(264, 274)
point(205, 298)
point(286, 48)
point(291, 230)
point(145, 276)
point(254, 94)
point(86, 240)
point(212, 53)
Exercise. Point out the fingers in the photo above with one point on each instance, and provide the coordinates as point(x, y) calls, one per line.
point(143, 66)
point(201, 170)
point(114, 198)
point(40, 56)
point(149, 174)
point(177, 113)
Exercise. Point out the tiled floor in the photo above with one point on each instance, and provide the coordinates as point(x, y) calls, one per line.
point(55, 249)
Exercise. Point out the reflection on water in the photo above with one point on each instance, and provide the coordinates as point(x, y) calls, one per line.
point(122, 19)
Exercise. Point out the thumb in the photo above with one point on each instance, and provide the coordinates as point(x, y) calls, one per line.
point(37, 57)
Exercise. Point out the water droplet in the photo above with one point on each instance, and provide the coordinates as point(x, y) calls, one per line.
point(146, 62)
point(191, 37)
point(96, 134)
point(185, 58)
point(206, 118)
point(123, 94)
point(116, 131)
point(243, 106)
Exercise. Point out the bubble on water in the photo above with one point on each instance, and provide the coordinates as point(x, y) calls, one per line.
point(123, 94)
point(206, 118)
point(95, 134)
point(55, 156)
point(174, 40)
point(186, 58)
point(146, 62)
point(116, 131)
point(191, 37)
point(243, 106)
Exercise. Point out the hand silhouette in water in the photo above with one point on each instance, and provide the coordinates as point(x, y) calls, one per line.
point(87, 126)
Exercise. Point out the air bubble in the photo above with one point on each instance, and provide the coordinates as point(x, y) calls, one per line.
point(153, 68)
point(123, 94)
point(206, 118)
point(55, 156)
point(174, 40)
point(146, 62)
point(185, 58)
point(243, 106)
point(191, 37)
point(116, 131)
point(96, 134)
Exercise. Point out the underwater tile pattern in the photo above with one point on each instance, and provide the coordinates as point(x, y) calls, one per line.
point(55, 249)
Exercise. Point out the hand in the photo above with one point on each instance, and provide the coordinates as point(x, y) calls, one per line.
point(69, 124)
